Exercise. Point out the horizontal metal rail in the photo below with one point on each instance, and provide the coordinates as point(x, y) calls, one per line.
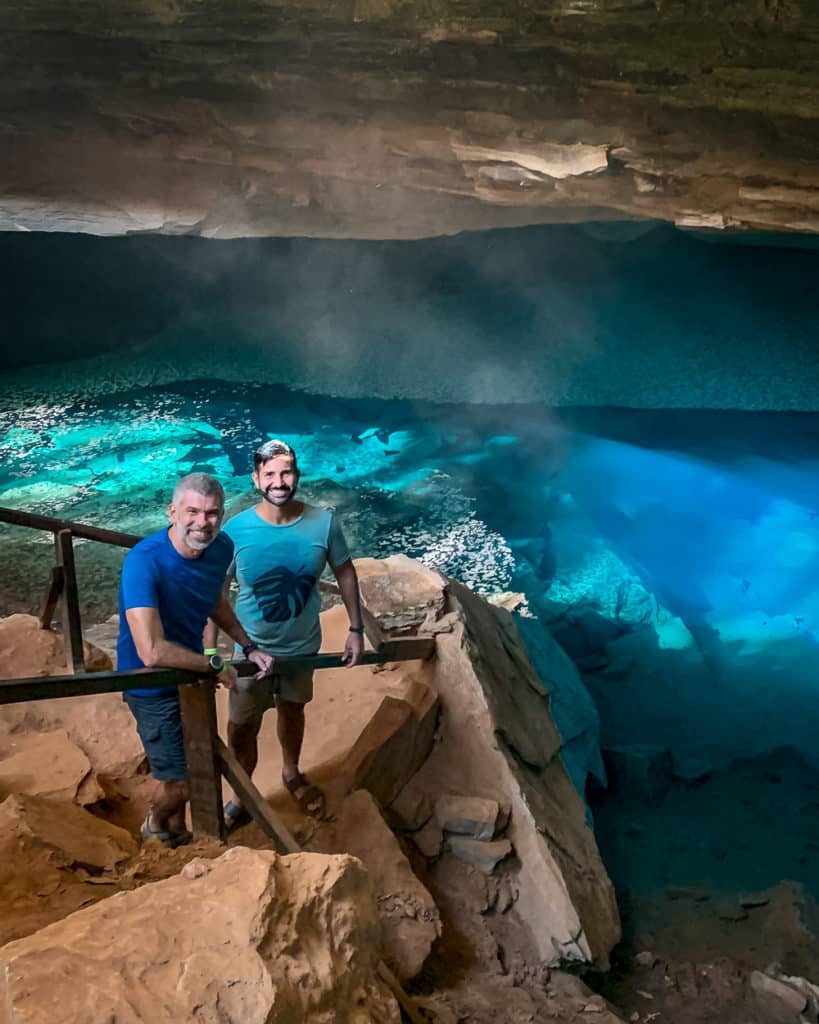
point(48, 523)
point(14, 691)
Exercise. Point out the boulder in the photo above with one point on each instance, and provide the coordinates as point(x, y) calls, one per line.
point(401, 593)
point(248, 938)
point(410, 921)
point(101, 725)
point(46, 764)
point(395, 742)
point(640, 772)
point(27, 651)
point(74, 837)
point(498, 740)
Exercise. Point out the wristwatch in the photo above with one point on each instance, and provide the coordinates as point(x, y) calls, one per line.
point(217, 665)
point(249, 648)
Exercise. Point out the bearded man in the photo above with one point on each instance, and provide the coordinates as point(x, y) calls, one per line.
point(171, 584)
point(282, 548)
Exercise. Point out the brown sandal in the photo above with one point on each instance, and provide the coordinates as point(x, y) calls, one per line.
point(310, 798)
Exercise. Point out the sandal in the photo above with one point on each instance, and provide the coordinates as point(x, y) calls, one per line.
point(310, 798)
point(236, 815)
point(169, 839)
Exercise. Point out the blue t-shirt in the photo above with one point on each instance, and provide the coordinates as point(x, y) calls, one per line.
point(183, 590)
point(277, 568)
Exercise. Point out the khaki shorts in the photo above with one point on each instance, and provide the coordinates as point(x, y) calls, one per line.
point(250, 698)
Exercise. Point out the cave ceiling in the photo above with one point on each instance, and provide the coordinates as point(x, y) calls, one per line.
point(390, 119)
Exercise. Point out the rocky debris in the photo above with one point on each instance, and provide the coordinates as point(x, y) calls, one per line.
point(46, 764)
point(467, 816)
point(27, 651)
point(484, 854)
point(75, 837)
point(296, 940)
point(409, 917)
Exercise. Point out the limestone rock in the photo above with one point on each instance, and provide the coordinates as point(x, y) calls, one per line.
point(429, 839)
point(75, 837)
point(484, 855)
point(498, 739)
point(45, 764)
point(411, 809)
point(496, 116)
point(409, 918)
point(467, 815)
point(400, 593)
point(27, 651)
point(101, 725)
point(255, 939)
point(395, 742)
point(780, 991)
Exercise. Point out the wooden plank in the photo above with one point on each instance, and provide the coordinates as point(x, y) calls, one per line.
point(52, 525)
point(13, 691)
point(71, 619)
point(198, 705)
point(55, 589)
point(254, 803)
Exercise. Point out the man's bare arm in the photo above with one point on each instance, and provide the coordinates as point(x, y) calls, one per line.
point(224, 617)
point(347, 579)
point(211, 634)
point(154, 650)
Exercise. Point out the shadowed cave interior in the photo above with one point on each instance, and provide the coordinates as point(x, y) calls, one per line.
point(616, 423)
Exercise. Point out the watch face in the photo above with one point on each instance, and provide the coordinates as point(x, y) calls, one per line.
point(216, 663)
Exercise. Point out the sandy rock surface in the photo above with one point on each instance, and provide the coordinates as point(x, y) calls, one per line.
point(409, 918)
point(249, 937)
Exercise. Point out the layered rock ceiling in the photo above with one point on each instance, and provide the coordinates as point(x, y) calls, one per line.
point(388, 119)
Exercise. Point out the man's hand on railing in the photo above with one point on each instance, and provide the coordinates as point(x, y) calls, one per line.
point(264, 661)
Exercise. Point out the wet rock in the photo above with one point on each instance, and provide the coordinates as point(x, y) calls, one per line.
point(644, 773)
point(779, 991)
point(207, 948)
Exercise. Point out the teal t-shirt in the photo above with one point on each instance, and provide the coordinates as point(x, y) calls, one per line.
point(277, 569)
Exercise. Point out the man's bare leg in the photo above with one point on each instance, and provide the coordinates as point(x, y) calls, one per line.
point(290, 730)
point(168, 807)
point(243, 740)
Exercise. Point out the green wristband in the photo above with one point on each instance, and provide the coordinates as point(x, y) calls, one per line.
point(210, 650)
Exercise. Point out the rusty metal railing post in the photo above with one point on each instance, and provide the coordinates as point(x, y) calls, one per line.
point(69, 602)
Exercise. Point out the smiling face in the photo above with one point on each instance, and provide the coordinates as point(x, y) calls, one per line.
point(277, 480)
point(195, 521)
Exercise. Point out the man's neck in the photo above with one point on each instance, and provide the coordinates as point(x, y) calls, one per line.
point(279, 515)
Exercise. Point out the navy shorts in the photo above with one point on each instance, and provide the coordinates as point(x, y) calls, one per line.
point(159, 724)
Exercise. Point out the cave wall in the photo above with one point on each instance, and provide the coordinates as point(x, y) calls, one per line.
point(387, 119)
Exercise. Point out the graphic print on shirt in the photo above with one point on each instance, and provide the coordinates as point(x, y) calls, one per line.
point(282, 594)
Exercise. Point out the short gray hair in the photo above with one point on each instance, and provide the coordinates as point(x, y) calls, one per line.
point(200, 483)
